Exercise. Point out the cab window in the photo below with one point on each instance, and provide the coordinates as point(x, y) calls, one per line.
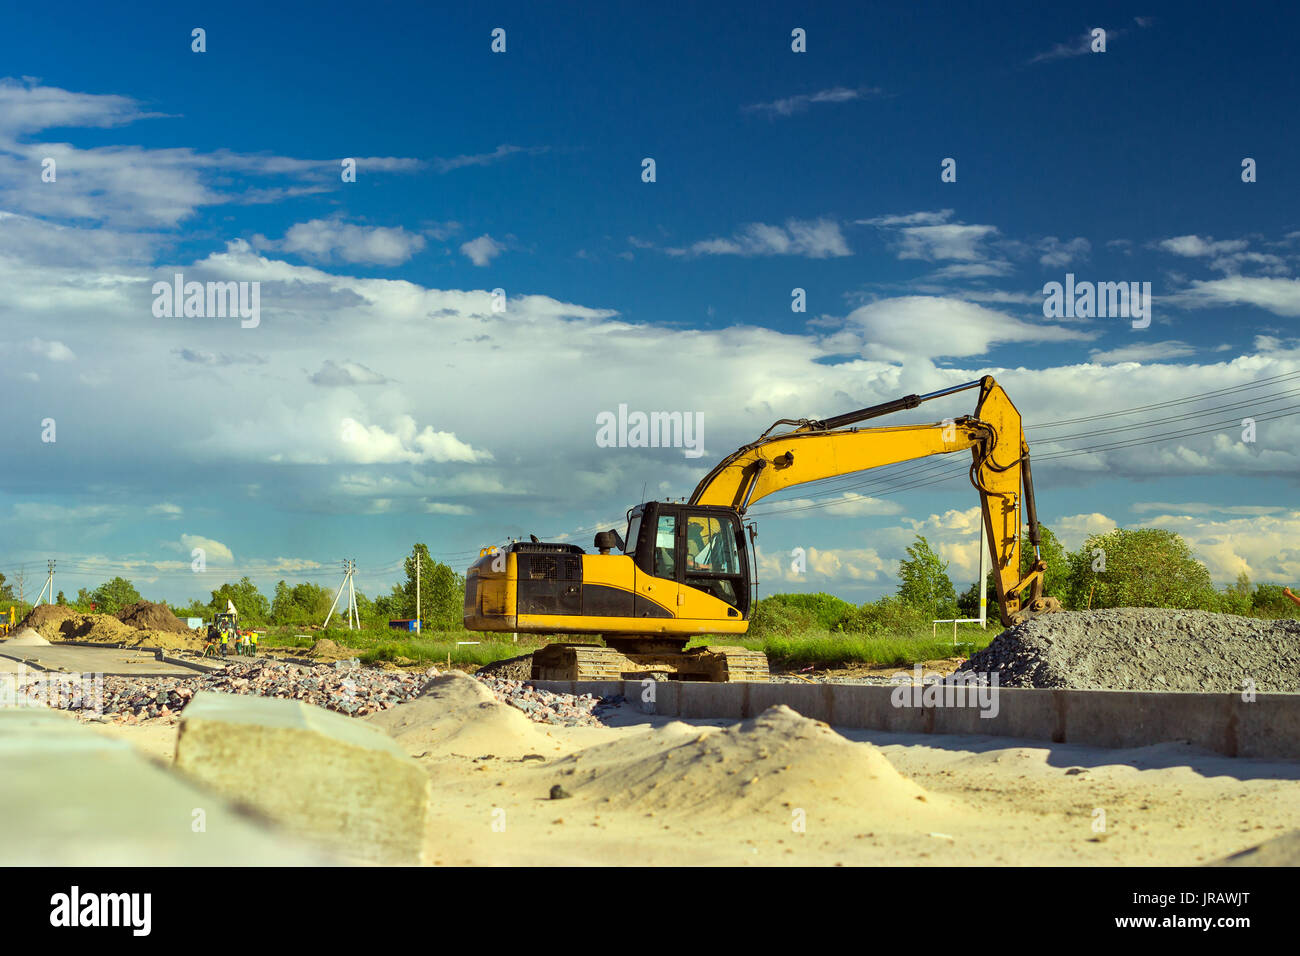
point(710, 546)
point(666, 547)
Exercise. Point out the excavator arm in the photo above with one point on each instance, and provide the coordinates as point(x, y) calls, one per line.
point(812, 450)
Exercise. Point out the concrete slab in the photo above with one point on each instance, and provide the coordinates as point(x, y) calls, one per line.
point(1266, 728)
point(326, 777)
point(94, 660)
point(74, 797)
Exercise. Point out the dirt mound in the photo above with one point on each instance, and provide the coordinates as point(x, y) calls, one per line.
point(1279, 851)
point(1145, 649)
point(457, 714)
point(57, 623)
point(153, 617)
point(27, 637)
point(46, 619)
point(327, 650)
point(514, 668)
point(767, 767)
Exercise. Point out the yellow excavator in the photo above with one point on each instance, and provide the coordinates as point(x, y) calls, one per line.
point(685, 569)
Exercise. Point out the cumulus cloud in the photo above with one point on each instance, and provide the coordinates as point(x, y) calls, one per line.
point(933, 326)
point(327, 240)
point(483, 250)
point(214, 551)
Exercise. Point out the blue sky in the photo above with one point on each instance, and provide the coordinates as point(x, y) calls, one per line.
point(521, 170)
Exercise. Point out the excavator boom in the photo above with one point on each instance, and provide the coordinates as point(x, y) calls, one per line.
point(813, 450)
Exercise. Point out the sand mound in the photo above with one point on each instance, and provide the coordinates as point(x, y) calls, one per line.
point(153, 617)
point(765, 768)
point(1145, 649)
point(27, 637)
point(456, 714)
point(1279, 851)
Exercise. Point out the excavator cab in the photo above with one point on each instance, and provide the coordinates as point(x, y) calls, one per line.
point(699, 546)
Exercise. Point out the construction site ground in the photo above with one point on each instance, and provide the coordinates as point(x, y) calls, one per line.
point(933, 800)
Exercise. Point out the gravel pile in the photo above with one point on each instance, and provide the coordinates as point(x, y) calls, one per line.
point(1145, 649)
point(343, 686)
point(545, 707)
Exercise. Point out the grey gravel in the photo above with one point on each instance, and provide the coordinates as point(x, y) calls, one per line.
point(1145, 649)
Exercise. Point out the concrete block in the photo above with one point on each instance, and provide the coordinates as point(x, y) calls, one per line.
point(326, 777)
point(1268, 726)
point(73, 796)
point(707, 701)
point(1121, 718)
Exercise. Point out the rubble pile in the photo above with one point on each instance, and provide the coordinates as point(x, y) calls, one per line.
point(546, 707)
point(343, 686)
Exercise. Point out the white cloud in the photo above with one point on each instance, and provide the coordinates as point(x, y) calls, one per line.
point(503, 151)
point(788, 106)
point(813, 239)
point(931, 326)
point(54, 351)
point(214, 551)
point(483, 250)
point(1073, 530)
point(1145, 352)
point(326, 240)
point(1279, 296)
point(371, 444)
point(342, 374)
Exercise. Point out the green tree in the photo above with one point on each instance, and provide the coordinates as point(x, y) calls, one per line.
point(442, 593)
point(250, 603)
point(61, 599)
point(1143, 567)
point(6, 590)
point(923, 581)
point(111, 596)
point(304, 603)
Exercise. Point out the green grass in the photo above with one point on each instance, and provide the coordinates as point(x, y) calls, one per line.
point(385, 644)
point(813, 646)
point(823, 648)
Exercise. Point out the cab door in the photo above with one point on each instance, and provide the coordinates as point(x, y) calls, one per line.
point(713, 558)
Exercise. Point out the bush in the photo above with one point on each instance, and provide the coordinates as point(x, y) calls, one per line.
point(772, 618)
point(827, 610)
point(1146, 567)
point(889, 615)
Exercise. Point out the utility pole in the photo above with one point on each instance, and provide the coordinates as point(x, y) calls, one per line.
point(49, 583)
point(22, 576)
point(418, 562)
point(349, 567)
point(984, 575)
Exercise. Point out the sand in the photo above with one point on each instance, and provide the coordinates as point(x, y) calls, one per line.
point(651, 791)
point(456, 715)
point(27, 637)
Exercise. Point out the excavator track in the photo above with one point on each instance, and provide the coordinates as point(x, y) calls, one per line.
point(579, 662)
point(717, 664)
